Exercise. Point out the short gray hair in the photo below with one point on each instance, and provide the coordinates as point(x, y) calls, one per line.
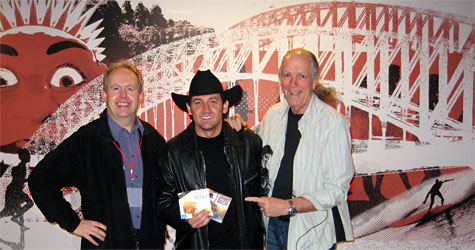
point(302, 51)
point(125, 65)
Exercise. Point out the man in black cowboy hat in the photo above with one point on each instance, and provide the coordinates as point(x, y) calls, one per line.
point(210, 154)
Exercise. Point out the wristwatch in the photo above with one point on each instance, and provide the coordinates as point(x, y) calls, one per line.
point(292, 210)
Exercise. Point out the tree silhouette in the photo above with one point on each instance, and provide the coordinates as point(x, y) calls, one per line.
point(128, 13)
point(141, 16)
point(171, 23)
point(112, 18)
point(128, 32)
point(156, 17)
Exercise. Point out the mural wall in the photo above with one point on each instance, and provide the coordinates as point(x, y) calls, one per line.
point(404, 77)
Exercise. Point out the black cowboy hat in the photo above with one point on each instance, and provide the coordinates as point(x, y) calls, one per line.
point(205, 83)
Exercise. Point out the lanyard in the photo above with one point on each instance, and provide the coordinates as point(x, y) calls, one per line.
point(133, 162)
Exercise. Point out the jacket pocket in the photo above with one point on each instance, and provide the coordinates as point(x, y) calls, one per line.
point(252, 185)
point(251, 178)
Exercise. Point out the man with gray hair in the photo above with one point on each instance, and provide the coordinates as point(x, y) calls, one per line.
point(311, 166)
point(113, 161)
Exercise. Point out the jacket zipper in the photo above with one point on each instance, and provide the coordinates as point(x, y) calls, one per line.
point(241, 225)
point(250, 179)
point(203, 180)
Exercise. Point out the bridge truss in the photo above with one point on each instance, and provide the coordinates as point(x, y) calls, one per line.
point(356, 44)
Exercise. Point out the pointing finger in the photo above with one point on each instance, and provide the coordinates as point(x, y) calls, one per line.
point(254, 199)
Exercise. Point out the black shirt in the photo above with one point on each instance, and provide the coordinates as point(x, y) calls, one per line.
point(220, 235)
point(284, 181)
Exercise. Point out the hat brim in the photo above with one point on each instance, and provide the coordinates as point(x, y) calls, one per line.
point(233, 95)
point(181, 100)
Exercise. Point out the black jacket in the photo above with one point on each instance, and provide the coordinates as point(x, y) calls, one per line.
point(89, 161)
point(183, 169)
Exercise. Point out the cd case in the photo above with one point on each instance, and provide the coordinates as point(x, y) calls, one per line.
point(192, 202)
point(219, 205)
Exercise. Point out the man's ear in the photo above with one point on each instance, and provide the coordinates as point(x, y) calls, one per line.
point(315, 82)
point(225, 107)
point(142, 98)
point(188, 109)
point(103, 95)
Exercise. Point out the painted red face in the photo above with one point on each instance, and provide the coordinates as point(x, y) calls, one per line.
point(38, 73)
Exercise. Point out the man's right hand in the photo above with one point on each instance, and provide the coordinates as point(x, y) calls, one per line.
point(88, 228)
point(200, 220)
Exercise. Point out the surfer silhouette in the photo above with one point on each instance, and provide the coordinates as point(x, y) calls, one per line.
point(435, 191)
point(14, 195)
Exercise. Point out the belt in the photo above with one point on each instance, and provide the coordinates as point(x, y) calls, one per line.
point(284, 218)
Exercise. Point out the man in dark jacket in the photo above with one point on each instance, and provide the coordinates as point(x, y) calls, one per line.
point(210, 154)
point(113, 161)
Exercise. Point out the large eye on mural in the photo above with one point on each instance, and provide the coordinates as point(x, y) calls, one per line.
point(67, 76)
point(7, 78)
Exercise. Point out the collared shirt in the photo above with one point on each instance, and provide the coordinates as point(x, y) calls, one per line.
point(323, 170)
point(129, 144)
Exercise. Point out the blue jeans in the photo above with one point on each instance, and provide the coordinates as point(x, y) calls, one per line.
point(277, 234)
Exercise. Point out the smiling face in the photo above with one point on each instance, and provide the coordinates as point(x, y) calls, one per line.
point(296, 81)
point(207, 112)
point(123, 96)
point(38, 73)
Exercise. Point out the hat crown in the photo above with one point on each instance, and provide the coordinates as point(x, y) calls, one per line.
point(205, 83)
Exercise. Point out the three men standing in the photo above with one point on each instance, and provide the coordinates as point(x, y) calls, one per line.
point(112, 161)
point(210, 154)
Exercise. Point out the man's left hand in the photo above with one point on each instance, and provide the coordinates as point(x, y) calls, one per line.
point(200, 220)
point(236, 122)
point(272, 207)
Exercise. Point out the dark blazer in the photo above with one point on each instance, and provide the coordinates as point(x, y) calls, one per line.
point(89, 161)
point(183, 169)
